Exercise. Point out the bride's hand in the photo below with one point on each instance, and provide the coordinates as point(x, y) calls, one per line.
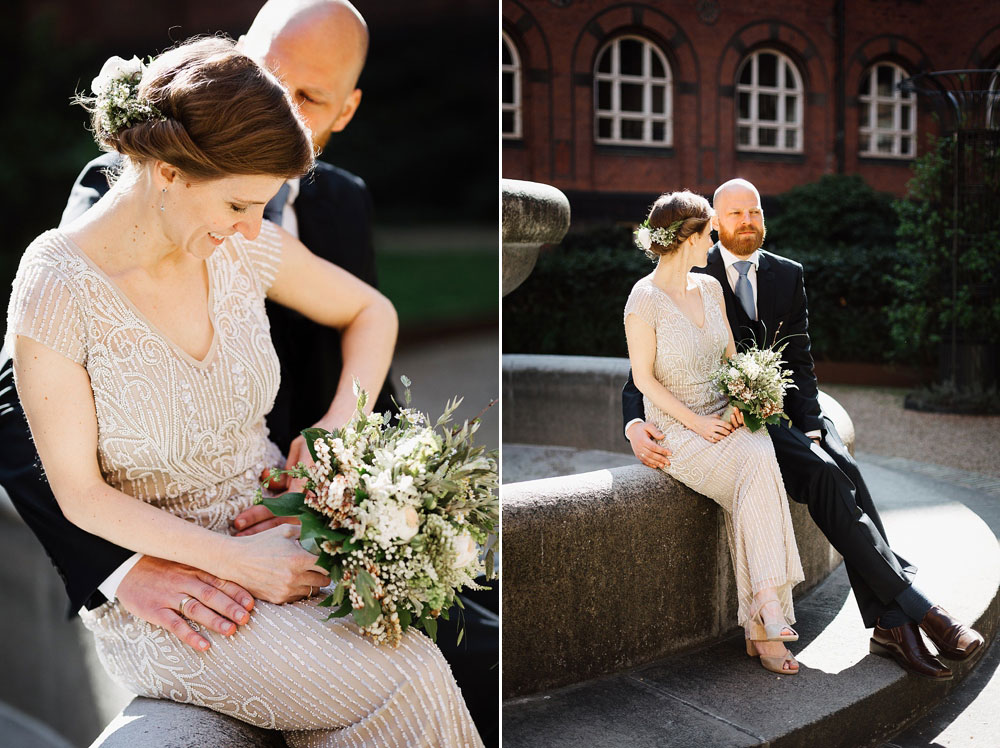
point(274, 567)
point(711, 428)
point(736, 418)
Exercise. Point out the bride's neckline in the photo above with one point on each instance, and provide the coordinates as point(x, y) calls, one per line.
point(701, 296)
point(201, 363)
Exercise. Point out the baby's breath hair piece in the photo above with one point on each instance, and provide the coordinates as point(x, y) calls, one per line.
point(645, 235)
point(116, 96)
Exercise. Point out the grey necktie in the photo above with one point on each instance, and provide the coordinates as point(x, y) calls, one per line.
point(744, 292)
point(276, 205)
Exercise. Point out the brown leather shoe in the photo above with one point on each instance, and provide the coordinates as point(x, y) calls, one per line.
point(904, 645)
point(953, 639)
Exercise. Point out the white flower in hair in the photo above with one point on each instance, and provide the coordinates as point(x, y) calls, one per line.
point(114, 69)
point(644, 238)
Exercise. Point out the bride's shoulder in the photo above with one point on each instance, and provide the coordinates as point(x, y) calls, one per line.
point(709, 283)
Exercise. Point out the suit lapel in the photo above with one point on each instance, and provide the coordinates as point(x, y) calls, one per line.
point(765, 298)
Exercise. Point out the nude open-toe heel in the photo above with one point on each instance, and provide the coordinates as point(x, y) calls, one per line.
point(772, 631)
point(772, 663)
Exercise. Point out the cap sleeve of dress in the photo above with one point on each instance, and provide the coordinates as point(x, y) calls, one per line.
point(265, 254)
point(642, 303)
point(45, 304)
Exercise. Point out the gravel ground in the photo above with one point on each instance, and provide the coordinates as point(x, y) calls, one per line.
point(884, 428)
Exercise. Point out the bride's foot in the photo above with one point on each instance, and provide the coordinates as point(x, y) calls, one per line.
point(767, 616)
point(774, 656)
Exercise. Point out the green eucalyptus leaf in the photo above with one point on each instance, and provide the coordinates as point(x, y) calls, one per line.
point(290, 504)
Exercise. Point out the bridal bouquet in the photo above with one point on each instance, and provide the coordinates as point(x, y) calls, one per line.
point(397, 512)
point(755, 383)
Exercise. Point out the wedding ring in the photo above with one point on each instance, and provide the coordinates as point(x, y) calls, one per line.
point(184, 601)
point(310, 591)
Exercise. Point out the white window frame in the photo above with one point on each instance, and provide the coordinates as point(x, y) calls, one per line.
point(647, 81)
point(993, 99)
point(783, 92)
point(899, 101)
point(511, 106)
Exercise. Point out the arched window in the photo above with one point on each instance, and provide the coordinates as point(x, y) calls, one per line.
point(887, 117)
point(632, 99)
point(510, 89)
point(769, 104)
point(993, 102)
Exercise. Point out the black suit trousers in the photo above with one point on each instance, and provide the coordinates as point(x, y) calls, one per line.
point(826, 478)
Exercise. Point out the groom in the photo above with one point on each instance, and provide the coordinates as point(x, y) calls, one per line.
point(766, 300)
point(317, 48)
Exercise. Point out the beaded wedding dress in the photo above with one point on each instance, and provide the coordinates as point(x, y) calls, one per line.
point(739, 472)
point(189, 437)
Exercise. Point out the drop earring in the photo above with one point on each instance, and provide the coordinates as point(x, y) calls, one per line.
point(163, 196)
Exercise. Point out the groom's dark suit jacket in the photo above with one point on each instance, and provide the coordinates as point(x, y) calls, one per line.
point(823, 476)
point(782, 313)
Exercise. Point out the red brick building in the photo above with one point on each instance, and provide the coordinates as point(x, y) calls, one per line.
point(614, 101)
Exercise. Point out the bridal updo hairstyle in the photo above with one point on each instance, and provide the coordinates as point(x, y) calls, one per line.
point(692, 210)
point(223, 115)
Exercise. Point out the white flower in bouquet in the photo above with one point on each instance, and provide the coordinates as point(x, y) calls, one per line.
point(756, 384)
point(399, 513)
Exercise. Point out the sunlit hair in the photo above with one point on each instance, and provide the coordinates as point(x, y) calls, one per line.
point(223, 115)
point(691, 210)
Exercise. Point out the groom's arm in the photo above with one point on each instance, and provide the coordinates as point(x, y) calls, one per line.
point(632, 407)
point(801, 403)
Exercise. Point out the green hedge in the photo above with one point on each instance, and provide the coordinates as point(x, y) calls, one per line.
point(841, 231)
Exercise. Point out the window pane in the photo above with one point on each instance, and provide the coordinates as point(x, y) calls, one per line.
point(660, 132)
point(744, 105)
point(659, 96)
point(884, 115)
point(904, 145)
point(507, 122)
point(791, 110)
point(505, 55)
point(904, 117)
point(866, 84)
point(767, 136)
point(630, 57)
point(884, 73)
point(864, 114)
point(767, 107)
point(630, 97)
point(507, 96)
point(604, 95)
point(743, 135)
point(884, 144)
point(603, 127)
point(864, 142)
point(789, 78)
point(791, 139)
point(604, 62)
point(658, 70)
point(767, 69)
point(631, 129)
point(746, 73)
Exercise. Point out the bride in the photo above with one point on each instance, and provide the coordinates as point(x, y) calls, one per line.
point(145, 367)
point(678, 335)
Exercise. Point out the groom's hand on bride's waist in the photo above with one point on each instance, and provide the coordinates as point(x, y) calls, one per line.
point(168, 594)
point(645, 445)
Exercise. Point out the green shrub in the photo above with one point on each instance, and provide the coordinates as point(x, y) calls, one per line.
point(925, 305)
point(840, 229)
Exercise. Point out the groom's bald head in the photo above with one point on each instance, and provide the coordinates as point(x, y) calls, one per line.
point(318, 49)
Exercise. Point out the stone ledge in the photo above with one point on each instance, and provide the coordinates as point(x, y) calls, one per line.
point(586, 555)
point(716, 695)
point(156, 723)
point(533, 214)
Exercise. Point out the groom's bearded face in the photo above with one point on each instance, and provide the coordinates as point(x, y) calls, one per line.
point(739, 221)
point(744, 240)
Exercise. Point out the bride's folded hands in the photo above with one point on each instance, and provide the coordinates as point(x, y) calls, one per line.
point(712, 428)
point(274, 567)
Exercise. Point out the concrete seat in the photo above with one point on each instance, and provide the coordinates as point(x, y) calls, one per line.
point(609, 569)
